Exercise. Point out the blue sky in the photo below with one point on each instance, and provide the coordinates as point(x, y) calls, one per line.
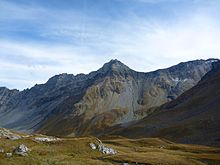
point(39, 38)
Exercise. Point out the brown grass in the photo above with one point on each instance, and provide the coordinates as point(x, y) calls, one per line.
point(76, 151)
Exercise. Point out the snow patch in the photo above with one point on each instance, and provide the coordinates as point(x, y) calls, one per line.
point(211, 61)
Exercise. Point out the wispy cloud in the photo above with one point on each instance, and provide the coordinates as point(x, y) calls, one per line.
point(35, 63)
point(48, 41)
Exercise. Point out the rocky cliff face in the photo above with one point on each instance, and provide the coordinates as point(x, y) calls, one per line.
point(194, 117)
point(5, 96)
point(114, 94)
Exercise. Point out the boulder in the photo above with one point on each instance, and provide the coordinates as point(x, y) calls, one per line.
point(21, 150)
point(8, 155)
point(2, 150)
point(93, 146)
point(106, 150)
point(102, 148)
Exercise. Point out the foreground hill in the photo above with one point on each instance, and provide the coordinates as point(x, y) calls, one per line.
point(75, 105)
point(194, 117)
point(77, 151)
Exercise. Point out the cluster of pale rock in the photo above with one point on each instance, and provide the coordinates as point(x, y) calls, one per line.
point(20, 150)
point(102, 148)
point(46, 139)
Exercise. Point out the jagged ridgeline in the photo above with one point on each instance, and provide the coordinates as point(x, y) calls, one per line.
point(87, 104)
point(194, 117)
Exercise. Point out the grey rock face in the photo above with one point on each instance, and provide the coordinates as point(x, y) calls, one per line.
point(191, 118)
point(6, 94)
point(114, 94)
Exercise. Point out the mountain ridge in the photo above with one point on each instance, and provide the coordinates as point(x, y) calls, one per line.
point(191, 118)
point(111, 95)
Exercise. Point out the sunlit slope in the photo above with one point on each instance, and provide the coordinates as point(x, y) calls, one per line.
point(76, 151)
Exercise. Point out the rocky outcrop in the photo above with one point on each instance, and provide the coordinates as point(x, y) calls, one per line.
point(87, 104)
point(102, 148)
point(46, 139)
point(106, 150)
point(93, 146)
point(194, 117)
point(9, 134)
point(21, 150)
point(6, 94)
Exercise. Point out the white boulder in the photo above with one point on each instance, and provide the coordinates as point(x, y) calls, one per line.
point(102, 148)
point(93, 146)
point(21, 150)
point(106, 150)
point(8, 155)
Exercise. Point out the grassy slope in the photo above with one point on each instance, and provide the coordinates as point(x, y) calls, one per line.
point(76, 151)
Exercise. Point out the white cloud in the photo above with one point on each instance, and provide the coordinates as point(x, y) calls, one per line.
point(81, 46)
point(57, 58)
point(158, 45)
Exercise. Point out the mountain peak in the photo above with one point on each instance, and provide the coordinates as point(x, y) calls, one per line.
point(115, 66)
point(116, 63)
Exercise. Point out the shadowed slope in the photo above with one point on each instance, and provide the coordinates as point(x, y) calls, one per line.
point(194, 117)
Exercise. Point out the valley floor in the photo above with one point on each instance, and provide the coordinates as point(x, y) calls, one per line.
point(77, 151)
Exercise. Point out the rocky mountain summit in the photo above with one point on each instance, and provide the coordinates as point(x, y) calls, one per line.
point(86, 104)
point(194, 117)
point(5, 95)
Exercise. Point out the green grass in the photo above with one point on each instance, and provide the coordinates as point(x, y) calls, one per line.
point(76, 151)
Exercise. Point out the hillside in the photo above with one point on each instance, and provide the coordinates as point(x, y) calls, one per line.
point(194, 117)
point(78, 105)
point(77, 151)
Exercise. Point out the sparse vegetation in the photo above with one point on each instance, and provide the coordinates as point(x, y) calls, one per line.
point(77, 151)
